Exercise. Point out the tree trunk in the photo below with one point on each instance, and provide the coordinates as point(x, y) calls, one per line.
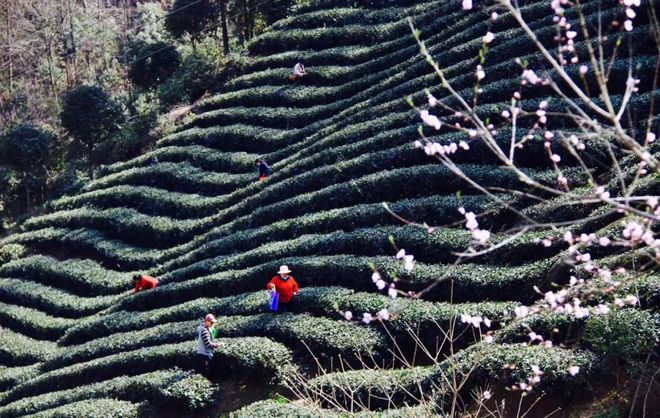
point(10, 66)
point(223, 20)
point(246, 20)
point(28, 201)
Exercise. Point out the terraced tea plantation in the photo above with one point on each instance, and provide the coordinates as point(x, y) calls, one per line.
point(76, 341)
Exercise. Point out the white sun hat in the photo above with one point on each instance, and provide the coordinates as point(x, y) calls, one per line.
point(284, 270)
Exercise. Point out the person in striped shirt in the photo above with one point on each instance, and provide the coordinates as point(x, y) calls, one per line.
point(206, 345)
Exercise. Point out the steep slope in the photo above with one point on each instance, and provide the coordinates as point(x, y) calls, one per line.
point(340, 143)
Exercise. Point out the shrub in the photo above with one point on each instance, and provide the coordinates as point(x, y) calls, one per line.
point(79, 276)
point(171, 388)
point(154, 64)
point(482, 363)
point(627, 334)
point(191, 17)
point(258, 357)
point(96, 408)
point(13, 376)
point(275, 409)
point(89, 114)
point(11, 252)
point(50, 300)
point(204, 158)
point(33, 323)
point(18, 350)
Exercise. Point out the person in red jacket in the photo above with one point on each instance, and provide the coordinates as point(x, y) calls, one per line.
point(286, 286)
point(142, 281)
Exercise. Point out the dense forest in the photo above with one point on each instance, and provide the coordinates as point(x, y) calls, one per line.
point(83, 82)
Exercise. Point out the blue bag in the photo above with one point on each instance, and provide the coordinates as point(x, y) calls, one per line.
point(274, 300)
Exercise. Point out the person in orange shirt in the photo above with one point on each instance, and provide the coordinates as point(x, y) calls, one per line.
point(285, 286)
point(143, 281)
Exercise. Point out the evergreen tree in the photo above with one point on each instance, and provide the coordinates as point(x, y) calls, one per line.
point(90, 115)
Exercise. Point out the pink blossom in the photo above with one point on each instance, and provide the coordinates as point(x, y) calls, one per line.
point(650, 137)
point(604, 241)
point(380, 284)
point(506, 114)
point(348, 315)
point(430, 120)
point(555, 158)
point(480, 73)
point(367, 318)
point(464, 145)
point(467, 4)
point(487, 322)
point(627, 25)
point(481, 235)
point(630, 300)
point(602, 309)
point(531, 77)
point(383, 315)
point(568, 237)
point(489, 339)
point(630, 13)
point(375, 276)
point(494, 16)
point(583, 69)
point(488, 38)
point(432, 100)
point(471, 221)
point(392, 291)
point(408, 262)
point(521, 311)
point(400, 254)
point(573, 370)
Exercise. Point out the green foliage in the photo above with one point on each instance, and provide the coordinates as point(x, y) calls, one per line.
point(33, 323)
point(90, 115)
point(627, 334)
point(191, 17)
point(18, 350)
point(84, 277)
point(94, 408)
point(170, 388)
point(27, 149)
point(10, 252)
point(258, 357)
point(480, 363)
point(51, 300)
point(154, 63)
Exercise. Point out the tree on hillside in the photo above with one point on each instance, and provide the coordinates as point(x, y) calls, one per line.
point(89, 114)
point(154, 63)
point(27, 150)
point(192, 17)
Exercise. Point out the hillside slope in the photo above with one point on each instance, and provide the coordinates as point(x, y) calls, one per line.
point(75, 339)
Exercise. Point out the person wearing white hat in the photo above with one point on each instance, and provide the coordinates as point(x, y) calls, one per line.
point(205, 345)
point(285, 286)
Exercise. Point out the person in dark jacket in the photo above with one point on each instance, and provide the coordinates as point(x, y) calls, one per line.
point(143, 281)
point(286, 287)
point(206, 345)
point(264, 170)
